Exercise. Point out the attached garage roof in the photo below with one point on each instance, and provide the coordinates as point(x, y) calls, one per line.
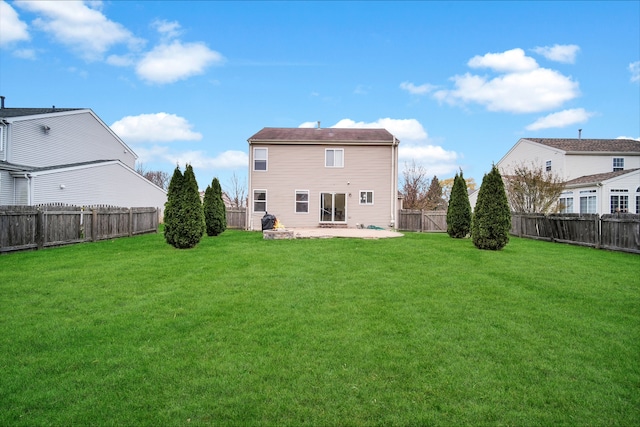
point(323, 135)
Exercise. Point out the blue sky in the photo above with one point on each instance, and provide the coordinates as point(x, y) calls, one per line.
point(457, 82)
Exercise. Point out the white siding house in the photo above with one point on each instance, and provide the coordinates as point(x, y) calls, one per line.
point(601, 175)
point(323, 177)
point(68, 156)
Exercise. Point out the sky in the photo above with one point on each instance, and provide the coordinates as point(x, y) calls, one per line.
point(457, 82)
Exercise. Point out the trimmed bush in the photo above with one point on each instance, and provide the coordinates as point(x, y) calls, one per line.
point(185, 223)
point(459, 210)
point(172, 206)
point(492, 216)
point(215, 213)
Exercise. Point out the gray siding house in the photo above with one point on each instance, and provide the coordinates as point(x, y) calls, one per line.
point(317, 177)
point(68, 156)
point(601, 175)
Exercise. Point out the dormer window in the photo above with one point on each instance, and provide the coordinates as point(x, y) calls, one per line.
point(618, 164)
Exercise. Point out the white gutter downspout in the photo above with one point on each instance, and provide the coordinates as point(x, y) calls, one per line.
point(394, 183)
point(29, 189)
point(249, 217)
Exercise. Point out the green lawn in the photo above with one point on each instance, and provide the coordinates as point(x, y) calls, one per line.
point(418, 330)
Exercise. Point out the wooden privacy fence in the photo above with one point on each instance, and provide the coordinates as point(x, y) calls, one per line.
point(618, 232)
point(237, 217)
point(421, 220)
point(37, 227)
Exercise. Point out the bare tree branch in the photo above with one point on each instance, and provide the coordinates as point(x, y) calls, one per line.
point(531, 189)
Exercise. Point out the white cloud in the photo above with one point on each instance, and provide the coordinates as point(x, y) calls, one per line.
point(403, 129)
point(308, 125)
point(158, 127)
point(634, 68)
point(513, 60)
point(527, 92)
point(561, 119)
point(168, 63)
point(12, 29)
point(168, 30)
point(81, 26)
point(559, 53)
point(521, 86)
point(417, 90)
point(628, 137)
point(25, 53)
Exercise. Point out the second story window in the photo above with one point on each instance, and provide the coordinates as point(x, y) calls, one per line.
point(618, 164)
point(334, 158)
point(547, 166)
point(259, 159)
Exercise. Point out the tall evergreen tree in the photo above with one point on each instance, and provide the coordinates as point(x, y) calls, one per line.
point(215, 213)
point(433, 199)
point(459, 210)
point(184, 225)
point(492, 217)
point(172, 206)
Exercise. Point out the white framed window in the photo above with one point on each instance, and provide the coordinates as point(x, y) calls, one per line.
point(588, 202)
point(260, 159)
point(259, 200)
point(302, 201)
point(547, 166)
point(638, 200)
point(334, 157)
point(619, 202)
point(366, 197)
point(566, 204)
point(618, 164)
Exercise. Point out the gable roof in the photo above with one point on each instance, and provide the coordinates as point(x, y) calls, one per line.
point(599, 177)
point(21, 112)
point(323, 135)
point(576, 145)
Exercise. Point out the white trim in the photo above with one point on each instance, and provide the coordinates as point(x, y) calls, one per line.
point(295, 202)
point(266, 199)
point(365, 202)
point(334, 150)
point(266, 159)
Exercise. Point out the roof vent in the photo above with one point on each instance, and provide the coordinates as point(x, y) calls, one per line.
point(1, 101)
point(318, 124)
point(579, 134)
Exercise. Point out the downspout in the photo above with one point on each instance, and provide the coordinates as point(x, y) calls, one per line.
point(249, 217)
point(394, 183)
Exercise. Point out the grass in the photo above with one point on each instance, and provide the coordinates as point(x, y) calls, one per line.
point(419, 330)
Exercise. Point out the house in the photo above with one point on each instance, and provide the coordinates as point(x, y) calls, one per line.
point(68, 156)
point(317, 177)
point(601, 175)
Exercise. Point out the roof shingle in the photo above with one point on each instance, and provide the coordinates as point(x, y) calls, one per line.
point(323, 135)
point(591, 145)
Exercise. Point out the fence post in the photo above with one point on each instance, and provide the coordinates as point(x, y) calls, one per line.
point(421, 220)
point(598, 231)
point(130, 222)
point(40, 229)
point(94, 224)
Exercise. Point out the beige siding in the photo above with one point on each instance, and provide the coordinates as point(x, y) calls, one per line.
point(298, 167)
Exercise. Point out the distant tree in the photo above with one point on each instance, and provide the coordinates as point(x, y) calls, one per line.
point(185, 225)
point(236, 191)
point(414, 188)
point(172, 206)
point(492, 216)
point(215, 214)
point(459, 210)
point(532, 189)
point(447, 186)
point(159, 178)
point(433, 198)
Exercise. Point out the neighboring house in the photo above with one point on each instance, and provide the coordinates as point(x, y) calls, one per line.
point(68, 156)
point(602, 175)
point(313, 177)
